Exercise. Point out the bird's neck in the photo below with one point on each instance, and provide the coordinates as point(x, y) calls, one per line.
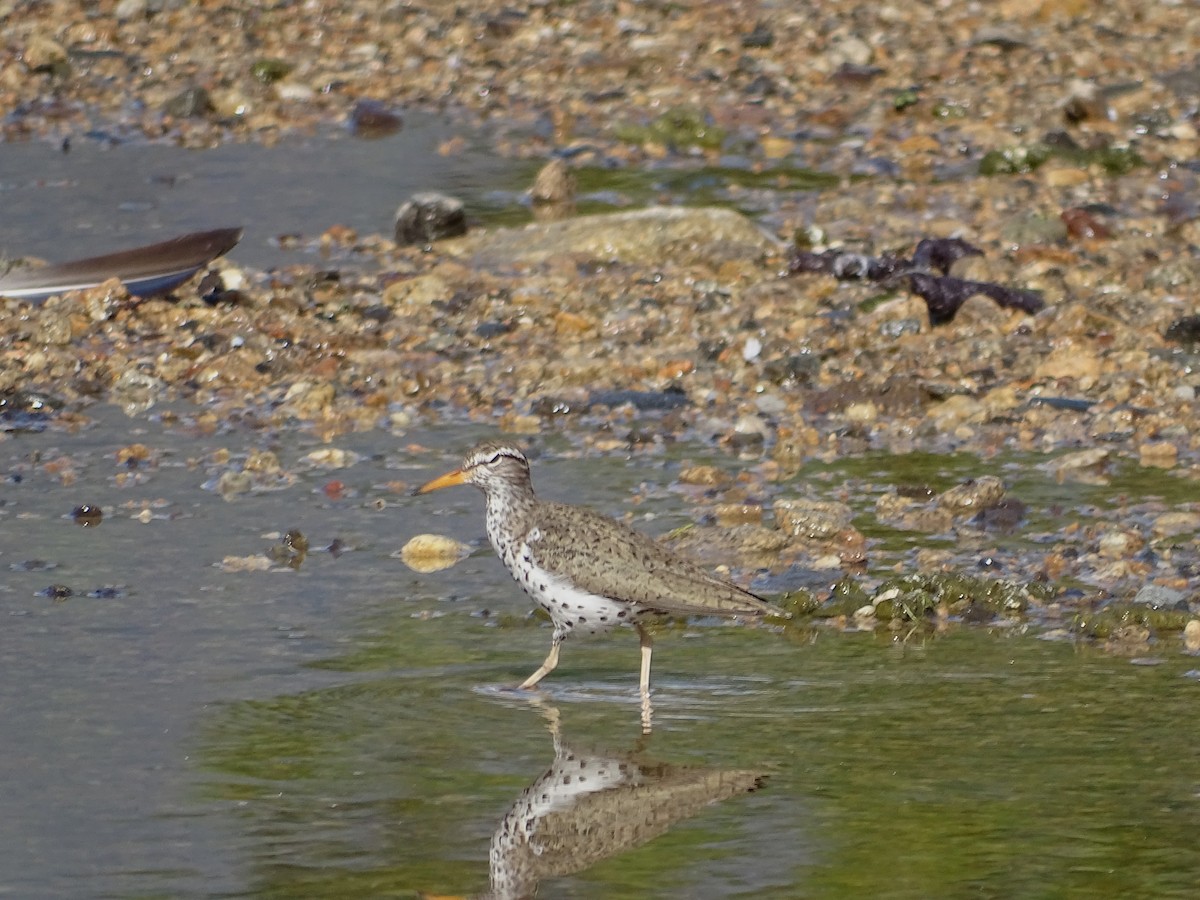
point(507, 506)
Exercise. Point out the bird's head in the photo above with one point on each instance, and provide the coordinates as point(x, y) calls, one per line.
point(488, 465)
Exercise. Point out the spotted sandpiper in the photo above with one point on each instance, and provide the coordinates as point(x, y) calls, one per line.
point(589, 572)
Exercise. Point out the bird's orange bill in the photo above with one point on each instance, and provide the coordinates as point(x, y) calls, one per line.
point(450, 479)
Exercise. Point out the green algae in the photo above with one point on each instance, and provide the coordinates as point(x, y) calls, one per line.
point(680, 127)
point(914, 598)
point(1107, 622)
point(1024, 158)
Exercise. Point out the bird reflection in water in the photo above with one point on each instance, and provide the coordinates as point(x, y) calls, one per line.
point(591, 805)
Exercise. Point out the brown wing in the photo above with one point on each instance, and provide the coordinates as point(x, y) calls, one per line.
point(602, 556)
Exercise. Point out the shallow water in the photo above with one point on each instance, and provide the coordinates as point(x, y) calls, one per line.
point(345, 729)
point(101, 197)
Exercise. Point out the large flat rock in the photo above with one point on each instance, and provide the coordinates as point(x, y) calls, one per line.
point(646, 236)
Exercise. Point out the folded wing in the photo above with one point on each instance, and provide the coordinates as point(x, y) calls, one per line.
point(634, 568)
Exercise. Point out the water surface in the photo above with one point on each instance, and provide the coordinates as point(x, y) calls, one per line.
point(100, 197)
point(344, 729)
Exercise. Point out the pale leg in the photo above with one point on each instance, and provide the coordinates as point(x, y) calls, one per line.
point(546, 668)
point(647, 649)
point(644, 683)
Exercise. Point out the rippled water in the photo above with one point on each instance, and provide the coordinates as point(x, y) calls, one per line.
point(345, 729)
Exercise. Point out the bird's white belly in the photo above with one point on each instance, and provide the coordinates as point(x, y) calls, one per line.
point(572, 610)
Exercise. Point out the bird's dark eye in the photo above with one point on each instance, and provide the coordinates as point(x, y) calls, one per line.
point(493, 458)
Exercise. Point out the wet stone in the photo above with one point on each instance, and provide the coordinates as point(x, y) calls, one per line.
point(704, 476)
point(1119, 543)
point(132, 9)
point(702, 236)
point(812, 520)
point(753, 540)
point(1071, 404)
point(746, 440)
point(1158, 454)
point(87, 516)
point(760, 37)
point(194, 102)
point(373, 119)
point(33, 565)
point(41, 54)
point(30, 411)
point(972, 496)
point(138, 391)
point(493, 329)
point(555, 183)
point(377, 312)
point(1159, 597)
point(671, 398)
point(1185, 330)
point(1004, 516)
point(1191, 636)
point(429, 217)
point(269, 70)
point(729, 515)
point(1176, 523)
point(799, 369)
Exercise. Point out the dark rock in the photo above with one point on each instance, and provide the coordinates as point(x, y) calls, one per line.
point(1004, 516)
point(493, 329)
point(747, 440)
point(1061, 141)
point(799, 368)
point(1185, 330)
point(1070, 404)
point(761, 37)
point(1084, 224)
point(1157, 596)
point(377, 312)
point(28, 411)
point(999, 36)
point(373, 119)
point(428, 217)
point(671, 398)
point(191, 103)
point(761, 86)
point(505, 24)
point(855, 74)
point(268, 71)
point(87, 516)
point(977, 614)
